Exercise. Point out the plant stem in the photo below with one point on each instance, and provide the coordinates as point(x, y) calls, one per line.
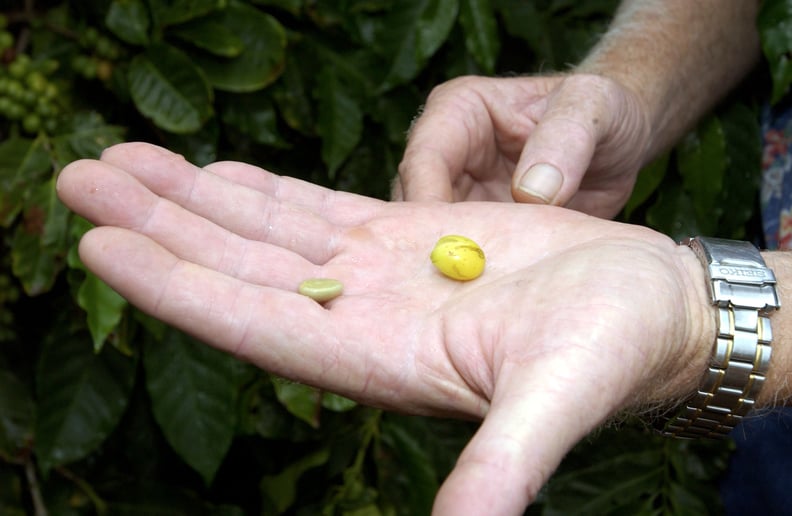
point(99, 504)
point(40, 509)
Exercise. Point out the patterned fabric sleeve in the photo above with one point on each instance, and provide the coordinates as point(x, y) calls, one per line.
point(776, 191)
point(759, 476)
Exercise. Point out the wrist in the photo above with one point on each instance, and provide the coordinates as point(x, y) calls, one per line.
point(687, 347)
point(688, 366)
point(743, 295)
point(778, 388)
point(639, 101)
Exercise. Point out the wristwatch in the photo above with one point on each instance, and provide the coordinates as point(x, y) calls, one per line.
point(743, 291)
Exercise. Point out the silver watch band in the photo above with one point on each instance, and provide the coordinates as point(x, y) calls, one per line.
point(743, 291)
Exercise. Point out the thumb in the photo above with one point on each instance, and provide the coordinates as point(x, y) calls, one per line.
point(560, 149)
point(515, 451)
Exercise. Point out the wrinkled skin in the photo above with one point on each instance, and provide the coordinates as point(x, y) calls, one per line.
point(477, 136)
point(573, 319)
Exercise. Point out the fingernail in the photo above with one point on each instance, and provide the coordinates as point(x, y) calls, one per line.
point(541, 181)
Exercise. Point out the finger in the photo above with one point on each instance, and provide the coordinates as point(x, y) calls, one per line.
point(559, 151)
point(440, 141)
point(117, 199)
point(531, 425)
point(397, 192)
point(424, 174)
point(280, 331)
point(218, 195)
point(339, 208)
point(108, 195)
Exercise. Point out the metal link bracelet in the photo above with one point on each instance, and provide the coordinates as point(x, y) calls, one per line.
point(743, 290)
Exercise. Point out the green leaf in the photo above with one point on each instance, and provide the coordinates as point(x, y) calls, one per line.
point(743, 175)
point(22, 163)
point(775, 30)
point(169, 89)
point(172, 12)
point(292, 97)
point(647, 182)
point(344, 14)
point(566, 8)
point(103, 306)
point(361, 70)
point(409, 35)
point(84, 135)
point(211, 35)
point(630, 471)
point(302, 401)
point(14, 494)
point(36, 266)
point(698, 462)
point(263, 415)
point(155, 327)
point(702, 160)
point(78, 227)
point(40, 242)
point(254, 116)
point(684, 501)
point(263, 57)
point(340, 120)
point(82, 396)
point(607, 486)
point(558, 34)
point(418, 475)
point(524, 21)
point(368, 169)
point(674, 214)
point(291, 6)
point(337, 403)
point(366, 510)
point(432, 20)
point(603, 493)
point(395, 112)
point(199, 147)
point(193, 396)
point(129, 20)
point(17, 415)
point(281, 489)
point(481, 32)
point(55, 232)
point(158, 499)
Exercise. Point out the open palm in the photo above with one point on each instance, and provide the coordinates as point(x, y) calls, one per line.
point(563, 328)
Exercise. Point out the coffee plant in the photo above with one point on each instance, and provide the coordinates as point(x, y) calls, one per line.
point(106, 411)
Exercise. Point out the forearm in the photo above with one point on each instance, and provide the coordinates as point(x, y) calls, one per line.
point(679, 56)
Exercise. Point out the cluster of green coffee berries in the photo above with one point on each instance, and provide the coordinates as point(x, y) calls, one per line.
point(99, 53)
point(27, 97)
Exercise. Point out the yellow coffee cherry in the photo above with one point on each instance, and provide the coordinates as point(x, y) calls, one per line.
point(458, 257)
point(321, 290)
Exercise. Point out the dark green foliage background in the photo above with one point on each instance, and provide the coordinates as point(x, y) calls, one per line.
point(105, 411)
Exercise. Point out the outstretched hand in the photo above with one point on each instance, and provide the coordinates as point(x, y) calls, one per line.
point(573, 319)
point(570, 140)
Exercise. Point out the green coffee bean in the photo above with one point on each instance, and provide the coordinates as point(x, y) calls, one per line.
point(321, 290)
